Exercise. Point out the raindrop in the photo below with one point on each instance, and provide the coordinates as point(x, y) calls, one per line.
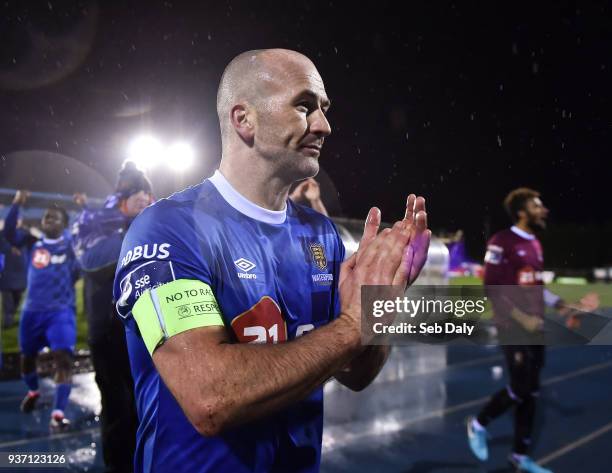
point(209, 36)
point(407, 136)
point(471, 116)
point(514, 49)
point(535, 67)
point(335, 49)
point(499, 141)
point(67, 171)
point(501, 87)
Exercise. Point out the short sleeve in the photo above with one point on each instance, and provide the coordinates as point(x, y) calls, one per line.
point(159, 248)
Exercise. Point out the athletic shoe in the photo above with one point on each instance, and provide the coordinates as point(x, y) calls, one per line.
point(58, 423)
point(477, 439)
point(527, 465)
point(29, 402)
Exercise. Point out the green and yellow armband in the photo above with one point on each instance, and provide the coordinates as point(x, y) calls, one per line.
point(175, 307)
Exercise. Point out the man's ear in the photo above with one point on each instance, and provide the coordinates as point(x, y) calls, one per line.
point(242, 121)
point(521, 214)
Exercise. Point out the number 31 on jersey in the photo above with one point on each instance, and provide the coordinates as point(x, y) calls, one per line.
point(264, 323)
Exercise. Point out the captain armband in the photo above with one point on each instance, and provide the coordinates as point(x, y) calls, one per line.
point(175, 307)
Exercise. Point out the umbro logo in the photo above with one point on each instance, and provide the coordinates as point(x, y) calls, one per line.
point(244, 264)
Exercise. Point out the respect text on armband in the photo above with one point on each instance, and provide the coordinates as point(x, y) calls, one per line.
point(188, 306)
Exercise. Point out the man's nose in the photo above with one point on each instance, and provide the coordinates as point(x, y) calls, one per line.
point(319, 124)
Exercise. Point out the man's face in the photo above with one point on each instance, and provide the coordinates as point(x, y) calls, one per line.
point(290, 119)
point(136, 203)
point(536, 213)
point(52, 223)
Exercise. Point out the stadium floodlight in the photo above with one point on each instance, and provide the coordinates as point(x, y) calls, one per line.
point(180, 156)
point(146, 152)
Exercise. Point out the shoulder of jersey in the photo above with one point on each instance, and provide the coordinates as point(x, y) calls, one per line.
point(169, 206)
point(502, 236)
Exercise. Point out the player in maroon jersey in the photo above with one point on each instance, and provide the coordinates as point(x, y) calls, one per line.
point(513, 277)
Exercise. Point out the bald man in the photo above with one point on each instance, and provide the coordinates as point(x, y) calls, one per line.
point(236, 302)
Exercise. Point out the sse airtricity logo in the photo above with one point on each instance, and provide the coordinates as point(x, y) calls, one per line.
point(244, 265)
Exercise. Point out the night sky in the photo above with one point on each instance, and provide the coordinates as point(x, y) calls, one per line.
point(456, 101)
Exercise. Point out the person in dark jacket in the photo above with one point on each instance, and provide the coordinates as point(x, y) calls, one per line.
point(12, 280)
point(98, 234)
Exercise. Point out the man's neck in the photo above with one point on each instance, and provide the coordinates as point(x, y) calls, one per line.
point(256, 183)
point(525, 227)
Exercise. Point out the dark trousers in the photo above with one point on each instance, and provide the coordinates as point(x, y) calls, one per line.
point(113, 376)
point(10, 302)
point(524, 364)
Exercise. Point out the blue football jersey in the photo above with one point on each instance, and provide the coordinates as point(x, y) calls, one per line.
point(274, 275)
point(97, 235)
point(52, 269)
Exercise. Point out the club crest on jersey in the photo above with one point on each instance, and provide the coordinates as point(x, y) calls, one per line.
point(317, 253)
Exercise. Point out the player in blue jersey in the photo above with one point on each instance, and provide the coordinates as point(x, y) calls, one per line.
point(236, 302)
point(97, 237)
point(48, 316)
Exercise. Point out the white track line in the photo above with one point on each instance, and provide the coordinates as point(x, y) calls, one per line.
point(575, 444)
point(76, 433)
point(350, 437)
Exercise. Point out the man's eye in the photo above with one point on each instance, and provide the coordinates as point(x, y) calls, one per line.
point(303, 107)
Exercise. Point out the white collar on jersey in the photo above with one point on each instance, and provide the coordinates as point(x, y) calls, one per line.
point(522, 233)
point(52, 241)
point(244, 205)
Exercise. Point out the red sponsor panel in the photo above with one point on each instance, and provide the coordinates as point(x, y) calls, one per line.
point(262, 323)
point(41, 258)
